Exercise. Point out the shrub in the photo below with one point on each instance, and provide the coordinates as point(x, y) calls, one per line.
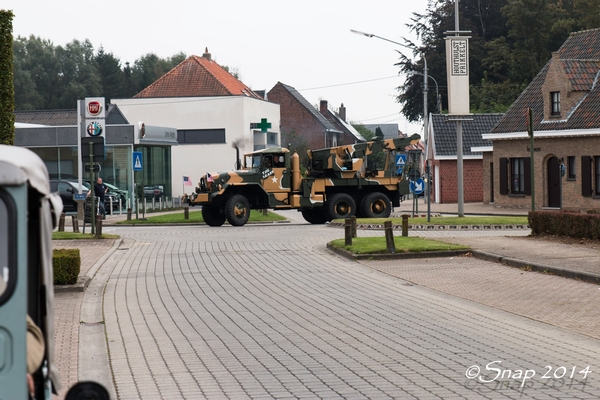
point(66, 264)
point(570, 224)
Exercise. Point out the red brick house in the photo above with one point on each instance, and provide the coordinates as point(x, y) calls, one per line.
point(319, 128)
point(443, 156)
point(565, 99)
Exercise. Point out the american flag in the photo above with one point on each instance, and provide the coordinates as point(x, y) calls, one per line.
point(187, 181)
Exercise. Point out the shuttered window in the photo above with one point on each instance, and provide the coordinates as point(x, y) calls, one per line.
point(503, 176)
point(586, 176)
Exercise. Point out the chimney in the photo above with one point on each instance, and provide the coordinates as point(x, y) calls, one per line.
point(342, 112)
point(207, 54)
point(323, 106)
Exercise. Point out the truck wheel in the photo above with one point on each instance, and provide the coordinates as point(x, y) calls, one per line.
point(376, 205)
point(340, 205)
point(212, 215)
point(237, 210)
point(314, 216)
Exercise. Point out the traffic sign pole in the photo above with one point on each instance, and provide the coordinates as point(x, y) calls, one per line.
point(92, 194)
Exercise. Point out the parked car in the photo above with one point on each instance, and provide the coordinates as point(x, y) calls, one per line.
point(66, 190)
point(119, 193)
point(153, 191)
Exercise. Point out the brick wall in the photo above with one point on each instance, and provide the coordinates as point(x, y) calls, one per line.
point(448, 181)
point(295, 118)
point(547, 148)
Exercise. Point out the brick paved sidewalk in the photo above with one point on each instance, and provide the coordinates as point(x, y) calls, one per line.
point(67, 307)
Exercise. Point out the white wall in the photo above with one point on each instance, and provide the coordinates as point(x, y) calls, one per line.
point(232, 113)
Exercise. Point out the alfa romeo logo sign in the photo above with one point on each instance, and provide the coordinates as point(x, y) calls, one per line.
point(94, 129)
point(94, 108)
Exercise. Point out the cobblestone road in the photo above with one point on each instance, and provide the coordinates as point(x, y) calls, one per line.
point(267, 312)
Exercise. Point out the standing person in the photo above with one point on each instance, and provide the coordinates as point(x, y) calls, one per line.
point(100, 191)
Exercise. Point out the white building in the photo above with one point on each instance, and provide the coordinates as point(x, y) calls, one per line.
point(212, 112)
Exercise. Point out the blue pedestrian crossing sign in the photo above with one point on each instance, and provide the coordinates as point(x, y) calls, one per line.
point(400, 163)
point(137, 161)
point(417, 186)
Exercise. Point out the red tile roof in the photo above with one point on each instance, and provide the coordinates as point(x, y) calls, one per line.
point(197, 77)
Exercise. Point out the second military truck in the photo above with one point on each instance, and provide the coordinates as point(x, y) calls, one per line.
point(360, 179)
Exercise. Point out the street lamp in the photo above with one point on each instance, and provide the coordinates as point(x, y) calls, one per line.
point(425, 114)
point(438, 100)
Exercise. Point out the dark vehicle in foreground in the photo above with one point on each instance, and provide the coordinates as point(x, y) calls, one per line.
point(29, 210)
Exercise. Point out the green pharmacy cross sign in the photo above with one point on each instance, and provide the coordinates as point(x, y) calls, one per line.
point(263, 125)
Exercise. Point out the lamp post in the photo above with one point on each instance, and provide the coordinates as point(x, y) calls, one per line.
point(425, 114)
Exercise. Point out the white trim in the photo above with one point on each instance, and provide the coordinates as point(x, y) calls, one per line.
point(471, 157)
point(482, 149)
point(542, 134)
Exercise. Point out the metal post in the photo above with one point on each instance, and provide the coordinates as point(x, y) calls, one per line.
point(459, 169)
point(531, 143)
point(428, 173)
point(92, 192)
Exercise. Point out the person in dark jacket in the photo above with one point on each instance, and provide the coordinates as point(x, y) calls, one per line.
point(100, 192)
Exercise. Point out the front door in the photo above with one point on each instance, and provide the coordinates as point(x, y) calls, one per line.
point(554, 183)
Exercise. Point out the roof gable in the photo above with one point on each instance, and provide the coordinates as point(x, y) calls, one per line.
point(197, 77)
point(579, 60)
point(327, 125)
point(443, 132)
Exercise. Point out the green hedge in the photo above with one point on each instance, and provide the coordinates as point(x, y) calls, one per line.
point(66, 264)
point(570, 224)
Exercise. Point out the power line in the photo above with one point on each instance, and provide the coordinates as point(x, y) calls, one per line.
point(349, 83)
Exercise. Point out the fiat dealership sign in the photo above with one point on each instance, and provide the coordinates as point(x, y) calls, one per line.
point(94, 108)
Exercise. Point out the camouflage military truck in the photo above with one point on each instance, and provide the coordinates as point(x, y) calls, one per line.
point(339, 182)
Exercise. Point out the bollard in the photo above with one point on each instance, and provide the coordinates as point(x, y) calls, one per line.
point(186, 212)
point(404, 224)
point(353, 218)
point(348, 232)
point(98, 226)
point(389, 237)
point(265, 212)
point(61, 222)
point(75, 223)
point(129, 214)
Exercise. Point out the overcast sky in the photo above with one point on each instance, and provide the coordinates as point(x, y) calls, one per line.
point(307, 44)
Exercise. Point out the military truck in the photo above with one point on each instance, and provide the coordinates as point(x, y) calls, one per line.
point(361, 179)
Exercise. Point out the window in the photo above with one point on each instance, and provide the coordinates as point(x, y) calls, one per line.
point(597, 176)
point(517, 175)
point(571, 167)
point(555, 103)
point(586, 176)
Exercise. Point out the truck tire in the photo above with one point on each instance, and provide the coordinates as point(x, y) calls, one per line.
point(376, 205)
point(340, 205)
point(237, 210)
point(314, 216)
point(212, 215)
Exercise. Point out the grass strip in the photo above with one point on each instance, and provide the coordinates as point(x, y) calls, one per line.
point(195, 217)
point(77, 236)
point(404, 244)
point(491, 220)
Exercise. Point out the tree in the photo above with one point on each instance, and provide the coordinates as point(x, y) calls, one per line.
point(78, 75)
point(7, 100)
point(112, 77)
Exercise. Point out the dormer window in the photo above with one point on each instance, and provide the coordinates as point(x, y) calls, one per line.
point(555, 103)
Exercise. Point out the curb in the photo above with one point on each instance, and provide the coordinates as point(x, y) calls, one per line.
point(80, 286)
point(538, 267)
point(426, 227)
point(83, 281)
point(401, 256)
